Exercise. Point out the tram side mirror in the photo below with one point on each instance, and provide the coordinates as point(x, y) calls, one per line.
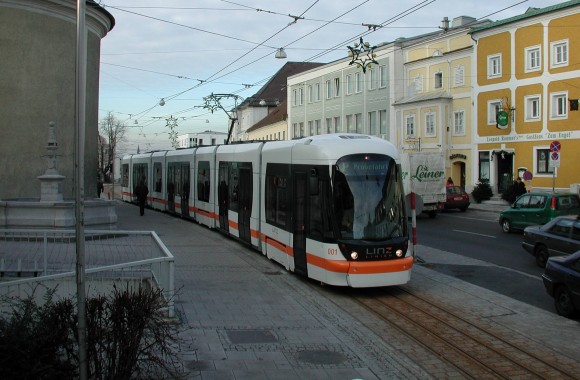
point(313, 182)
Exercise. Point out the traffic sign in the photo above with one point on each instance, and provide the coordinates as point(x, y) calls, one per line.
point(555, 159)
point(555, 146)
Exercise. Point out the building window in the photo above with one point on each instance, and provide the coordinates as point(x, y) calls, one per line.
point(533, 59)
point(294, 97)
point(295, 130)
point(310, 96)
point(494, 66)
point(459, 76)
point(328, 90)
point(349, 125)
point(301, 129)
point(372, 79)
point(559, 53)
point(317, 92)
point(358, 122)
point(301, 96)
point(493, 106)
point(317, 126)
point(543, 161)
point(532, 108)
point(382, 76)
point(559, 105)
point(383, 121)
point(410, 125)
point(373, 123)
point(484, 166)
point(349, 84)
point(337, 87)
point(459, 123)
point(418, 83)
point(430, 124)
point(358, 77)
point(310, 128)
point(328, 125)
point(438, 80)
point(337, 127)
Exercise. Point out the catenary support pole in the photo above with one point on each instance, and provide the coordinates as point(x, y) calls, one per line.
point(80, 95)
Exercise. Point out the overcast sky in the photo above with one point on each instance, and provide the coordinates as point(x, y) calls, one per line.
point(184, 50)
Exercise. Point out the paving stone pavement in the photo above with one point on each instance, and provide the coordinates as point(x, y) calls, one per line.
point(242, 316)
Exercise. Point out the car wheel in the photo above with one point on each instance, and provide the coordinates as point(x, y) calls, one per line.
point(541, 256)
point(463, 209)
point(432, 214)
point(563, 301)
point(506, 226)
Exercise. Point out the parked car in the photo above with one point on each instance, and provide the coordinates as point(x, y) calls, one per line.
point(532, 209)
point(456, 198)
point(560, 236)
point(562, 281)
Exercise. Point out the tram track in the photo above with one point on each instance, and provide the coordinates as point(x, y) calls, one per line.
point(473, 346)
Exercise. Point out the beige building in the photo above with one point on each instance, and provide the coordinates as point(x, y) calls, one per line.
point(37, 86)
point(436, 112)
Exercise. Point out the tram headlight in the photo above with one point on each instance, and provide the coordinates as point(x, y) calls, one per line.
point(399, 253)
point(354, 255)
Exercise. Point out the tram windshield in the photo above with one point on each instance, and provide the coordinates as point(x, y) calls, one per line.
point(368, 198)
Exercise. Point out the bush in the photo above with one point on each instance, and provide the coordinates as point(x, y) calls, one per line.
point(127, 337)
point(482, 191)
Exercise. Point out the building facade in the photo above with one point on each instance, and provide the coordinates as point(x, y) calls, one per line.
point(435, 113)
point(526, 120)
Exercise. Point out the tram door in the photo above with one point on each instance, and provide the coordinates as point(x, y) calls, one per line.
point(245, 203)
point(299, 221)
point(223, 195)
point(185, 189)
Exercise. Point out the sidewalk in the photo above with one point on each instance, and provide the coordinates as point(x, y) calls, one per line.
point(243, 316)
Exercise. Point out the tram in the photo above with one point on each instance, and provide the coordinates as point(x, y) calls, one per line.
point(329, 207)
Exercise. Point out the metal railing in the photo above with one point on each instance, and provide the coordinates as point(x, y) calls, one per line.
point(32, 258)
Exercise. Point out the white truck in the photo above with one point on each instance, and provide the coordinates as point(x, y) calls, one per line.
point(424, 174)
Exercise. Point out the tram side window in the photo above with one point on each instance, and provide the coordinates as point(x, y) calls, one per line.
point(203, 181)
point(234, 186)
point(319, 215)
point(157, 170)
point(276, 195)
point(125, 179)
point(139, 173)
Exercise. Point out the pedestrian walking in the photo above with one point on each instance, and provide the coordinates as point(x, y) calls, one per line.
point(100, 187)
point(141, 192)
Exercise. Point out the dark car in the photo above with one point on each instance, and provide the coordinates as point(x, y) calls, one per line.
point(456, 198)
point(560, 236)
point(532, 209)
point(562, 281)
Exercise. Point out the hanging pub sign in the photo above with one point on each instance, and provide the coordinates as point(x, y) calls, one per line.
point(502, 119)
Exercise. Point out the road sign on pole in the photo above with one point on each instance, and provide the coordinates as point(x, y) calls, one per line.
point(555, 159)
point(555, 146)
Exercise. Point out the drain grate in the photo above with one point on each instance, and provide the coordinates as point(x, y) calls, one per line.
point(251, 336)
point(322, 357)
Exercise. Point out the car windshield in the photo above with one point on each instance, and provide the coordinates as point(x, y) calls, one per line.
point(368, 198)
point(454, 190)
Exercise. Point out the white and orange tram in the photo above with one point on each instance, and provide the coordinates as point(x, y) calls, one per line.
point(330, 207)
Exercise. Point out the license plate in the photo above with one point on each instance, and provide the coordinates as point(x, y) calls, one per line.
point(458, 198)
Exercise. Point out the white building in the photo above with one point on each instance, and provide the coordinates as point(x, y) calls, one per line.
point(190, 140)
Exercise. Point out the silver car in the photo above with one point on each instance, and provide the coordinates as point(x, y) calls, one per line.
point(560, 236)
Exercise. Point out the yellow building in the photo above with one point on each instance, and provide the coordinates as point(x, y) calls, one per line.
point(525, 97)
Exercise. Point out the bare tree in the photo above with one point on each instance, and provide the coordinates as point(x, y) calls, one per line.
point(111, 133)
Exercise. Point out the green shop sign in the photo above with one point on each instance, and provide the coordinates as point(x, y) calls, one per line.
point(502, 119)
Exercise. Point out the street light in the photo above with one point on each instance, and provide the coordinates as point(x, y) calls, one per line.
point(281, 54)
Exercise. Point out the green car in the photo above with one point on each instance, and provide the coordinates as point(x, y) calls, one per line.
point(538, 208)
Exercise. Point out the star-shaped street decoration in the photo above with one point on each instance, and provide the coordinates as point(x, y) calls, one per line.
point(362, 55)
